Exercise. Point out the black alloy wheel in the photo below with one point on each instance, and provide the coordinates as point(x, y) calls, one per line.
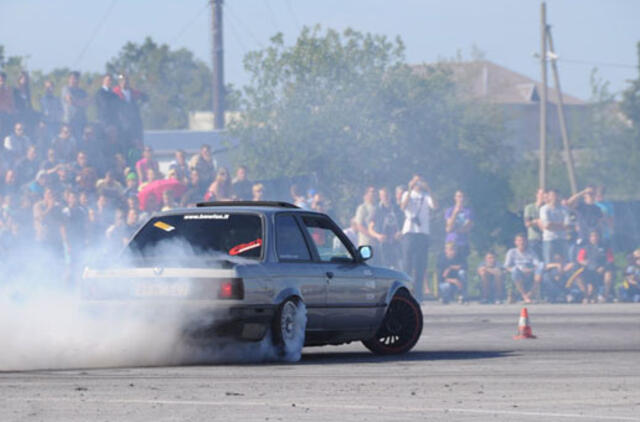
point(401, 328)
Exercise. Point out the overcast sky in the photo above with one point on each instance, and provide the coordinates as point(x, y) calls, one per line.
point(587, 33)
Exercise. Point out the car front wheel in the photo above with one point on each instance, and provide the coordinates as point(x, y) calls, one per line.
point(400, 329)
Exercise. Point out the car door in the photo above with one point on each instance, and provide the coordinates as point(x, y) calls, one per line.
point(295, 268)
point(351, 292)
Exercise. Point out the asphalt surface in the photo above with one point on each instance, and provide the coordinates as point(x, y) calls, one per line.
point(584, 366)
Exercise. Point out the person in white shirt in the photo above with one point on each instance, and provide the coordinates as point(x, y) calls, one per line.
point(416, 203)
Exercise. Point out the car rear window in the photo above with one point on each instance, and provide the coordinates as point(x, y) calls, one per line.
point(200, 234)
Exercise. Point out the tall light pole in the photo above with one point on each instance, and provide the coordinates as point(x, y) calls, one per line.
point(217, 54)
point(543, 98)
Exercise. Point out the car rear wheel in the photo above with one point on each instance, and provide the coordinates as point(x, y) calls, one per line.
point(288, 329)
point(400, 329)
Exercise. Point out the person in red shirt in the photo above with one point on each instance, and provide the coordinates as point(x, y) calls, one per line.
point(597, 269)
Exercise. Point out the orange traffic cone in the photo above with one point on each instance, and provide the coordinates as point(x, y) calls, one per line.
point(524, 329)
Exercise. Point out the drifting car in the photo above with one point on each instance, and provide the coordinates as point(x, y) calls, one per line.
point(248, 268)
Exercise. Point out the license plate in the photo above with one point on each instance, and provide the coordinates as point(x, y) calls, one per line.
point(161, 289)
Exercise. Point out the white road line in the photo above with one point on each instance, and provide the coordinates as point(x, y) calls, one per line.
point(302, 404)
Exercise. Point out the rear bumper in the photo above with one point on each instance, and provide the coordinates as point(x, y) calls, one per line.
point(200, 321)
point(247, 323)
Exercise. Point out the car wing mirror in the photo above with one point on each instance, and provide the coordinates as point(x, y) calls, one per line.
point(365, 252)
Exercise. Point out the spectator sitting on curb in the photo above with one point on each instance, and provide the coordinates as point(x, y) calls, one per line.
point(492, 279)
point(629, 291)
point(525, 268)
point(554, 280)
point(452, 274)
point(597, 275)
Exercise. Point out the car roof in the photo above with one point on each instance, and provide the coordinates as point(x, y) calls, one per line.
point(263, 207)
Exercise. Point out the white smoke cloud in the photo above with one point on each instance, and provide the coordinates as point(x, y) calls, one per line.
point(45, 324)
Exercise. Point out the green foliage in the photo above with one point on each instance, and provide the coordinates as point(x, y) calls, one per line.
point(346, 107)
point(630, 104)
point(175, 81)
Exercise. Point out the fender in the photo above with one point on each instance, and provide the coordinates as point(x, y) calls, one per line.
point(287, 292)
point(395, 286)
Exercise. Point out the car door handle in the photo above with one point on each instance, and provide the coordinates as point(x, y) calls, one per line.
point(329, 275)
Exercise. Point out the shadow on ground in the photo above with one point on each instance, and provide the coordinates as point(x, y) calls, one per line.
point(366, 357)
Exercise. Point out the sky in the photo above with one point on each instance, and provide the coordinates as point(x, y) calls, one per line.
point(85, 34)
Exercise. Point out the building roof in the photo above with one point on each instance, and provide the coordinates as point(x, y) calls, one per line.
point(482, 79)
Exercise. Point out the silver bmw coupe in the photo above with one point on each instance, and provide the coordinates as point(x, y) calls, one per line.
point(245, 269)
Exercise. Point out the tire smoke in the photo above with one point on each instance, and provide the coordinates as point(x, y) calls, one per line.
point(45, 323)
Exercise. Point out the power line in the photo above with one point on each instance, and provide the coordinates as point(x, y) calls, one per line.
point(237, 36)
point(188, 24)
point(243, 27)
point(272, 16)
point(603, 64)
point(97, 28)
point(292, 13)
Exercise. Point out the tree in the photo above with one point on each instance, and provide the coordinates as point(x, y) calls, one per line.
point(347, 108)
point(175, 81)
point(630, 104)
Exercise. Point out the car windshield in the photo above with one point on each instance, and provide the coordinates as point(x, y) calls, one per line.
point(201, 234)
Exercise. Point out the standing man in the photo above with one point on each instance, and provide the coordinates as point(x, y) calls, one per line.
point(588, 213)
point(532, 222)
point(74, 104)
point(241, 185)
point(554, 220)
point(385, 228)
point(129, 112)
point(364, 216)
point(459, 221)
point(203, 164)
point(51, 110)
point(107, 103)
point(7, 107)
point(417, 204)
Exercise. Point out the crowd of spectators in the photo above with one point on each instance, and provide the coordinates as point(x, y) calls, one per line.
point(67, 185)
point(565, 256)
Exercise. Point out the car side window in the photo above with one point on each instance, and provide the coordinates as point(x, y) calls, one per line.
point(290, 243)
point(326, 240)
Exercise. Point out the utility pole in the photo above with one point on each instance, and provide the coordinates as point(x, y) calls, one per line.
point(561, 117)
point(543, 98)
point(217, 54)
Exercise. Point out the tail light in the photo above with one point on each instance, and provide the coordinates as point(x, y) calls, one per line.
point(231, 289)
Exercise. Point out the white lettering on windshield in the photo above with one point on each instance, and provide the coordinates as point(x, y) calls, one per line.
point(206, 217)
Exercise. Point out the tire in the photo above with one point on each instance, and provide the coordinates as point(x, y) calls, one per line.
point(400, 329)
point(288, 329)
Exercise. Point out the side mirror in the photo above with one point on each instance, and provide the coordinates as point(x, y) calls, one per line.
point(366, 252)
